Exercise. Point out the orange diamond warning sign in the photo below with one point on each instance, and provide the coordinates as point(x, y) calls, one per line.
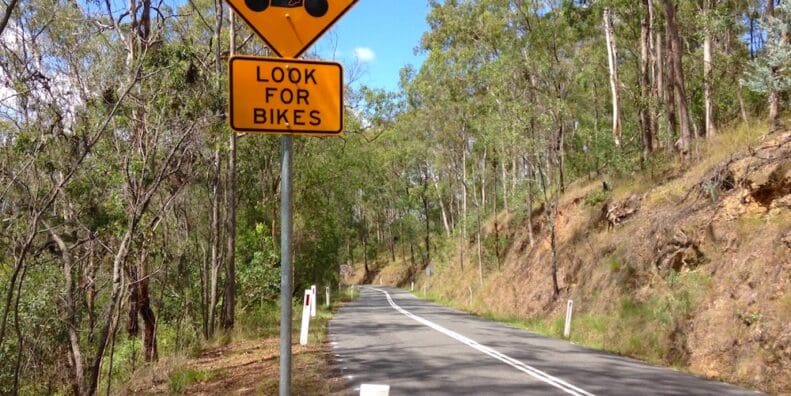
point(289, 27)
point(285, 96)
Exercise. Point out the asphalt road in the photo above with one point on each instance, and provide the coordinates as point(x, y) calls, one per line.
point(388, 336)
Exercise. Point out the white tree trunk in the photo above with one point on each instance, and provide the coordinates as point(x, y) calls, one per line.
point(612, 60)
point(505, 187)
point(463, 243)
point(711, 127)
point(442, 209)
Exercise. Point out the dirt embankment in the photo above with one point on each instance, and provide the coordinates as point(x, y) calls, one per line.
point(690, 269)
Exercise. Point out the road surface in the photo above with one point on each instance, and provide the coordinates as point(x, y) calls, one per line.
point(388, 336)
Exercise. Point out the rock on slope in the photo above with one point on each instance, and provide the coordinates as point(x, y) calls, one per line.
point(693, 271)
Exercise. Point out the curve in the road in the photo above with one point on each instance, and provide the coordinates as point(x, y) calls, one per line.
point(527, 369)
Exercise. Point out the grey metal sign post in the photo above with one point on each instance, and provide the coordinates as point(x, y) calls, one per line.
point(285, 265)
point(281, 28)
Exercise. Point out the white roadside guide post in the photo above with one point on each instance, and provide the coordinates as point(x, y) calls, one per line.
point(303, 332)
point(374, 390)
point(567, 328)
point(413, 286)
point(327, 294)
point(313, 301)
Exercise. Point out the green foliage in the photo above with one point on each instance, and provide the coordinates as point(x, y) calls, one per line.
point(771, 72)
point(500, 108)
point(614, 263)
point(642, 329)
point(181, 379)
point(597, 197)
point(257, 275)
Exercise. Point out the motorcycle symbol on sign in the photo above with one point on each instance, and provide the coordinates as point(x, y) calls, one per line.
point(315, 8)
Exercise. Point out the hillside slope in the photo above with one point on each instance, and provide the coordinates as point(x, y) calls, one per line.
point(690, 269)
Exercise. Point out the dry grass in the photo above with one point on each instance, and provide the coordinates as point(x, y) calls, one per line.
point(235, 364)
point(725, 316)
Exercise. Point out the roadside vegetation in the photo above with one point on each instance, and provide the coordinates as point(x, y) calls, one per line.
point(631, 155)
point(692, 278)
point(244, 362)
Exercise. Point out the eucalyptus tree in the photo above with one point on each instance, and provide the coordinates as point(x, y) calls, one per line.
point(61, 106)
point(770, 73)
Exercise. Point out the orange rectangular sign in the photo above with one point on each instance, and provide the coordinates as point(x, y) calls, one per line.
point(285, 96)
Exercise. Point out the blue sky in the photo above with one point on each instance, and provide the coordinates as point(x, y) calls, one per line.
point(380, 36)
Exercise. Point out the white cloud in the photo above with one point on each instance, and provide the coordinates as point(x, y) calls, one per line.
point(364, 54)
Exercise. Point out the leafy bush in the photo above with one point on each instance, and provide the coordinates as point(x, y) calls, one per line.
point(182, 378)
point(597, 196)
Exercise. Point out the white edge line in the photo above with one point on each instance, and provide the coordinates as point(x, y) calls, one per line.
point(532, 371)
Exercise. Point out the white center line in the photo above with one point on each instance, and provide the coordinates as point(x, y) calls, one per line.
point(532, 371)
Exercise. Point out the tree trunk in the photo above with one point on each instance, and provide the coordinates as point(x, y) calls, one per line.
point(480, 250)
point(494, 210)
point(483, 179)
point(75, 354)
point(742, 105)
point(676, 50)
point(442, 209)
point(19, 337)
point(656, 71)
point(711, 127)
point(478, 207)
point(670, 93)
point(425, 213)
point(217, 168)
point(391, 244)
point(463, 204)
point(553, 240)
point(115, 296)
point(550, 215)
point(140, 304)
point(204, 278)
point(514, 171)
point(561, 156)
point(774, 112)
point(229, 302)
point(646, 112)
point(90, 290)
point(364, 237)
point(774, 96)
point(151, 353)
point(504, 181)
point(412, 256)
point(214, 269)
point(132, 325)
point(530, 236)
point(612, 61)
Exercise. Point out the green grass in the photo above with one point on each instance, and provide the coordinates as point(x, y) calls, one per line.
point(785, 307)
point(597, 197)
point(613, 262)
point(180, 379)
point(641, 329)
